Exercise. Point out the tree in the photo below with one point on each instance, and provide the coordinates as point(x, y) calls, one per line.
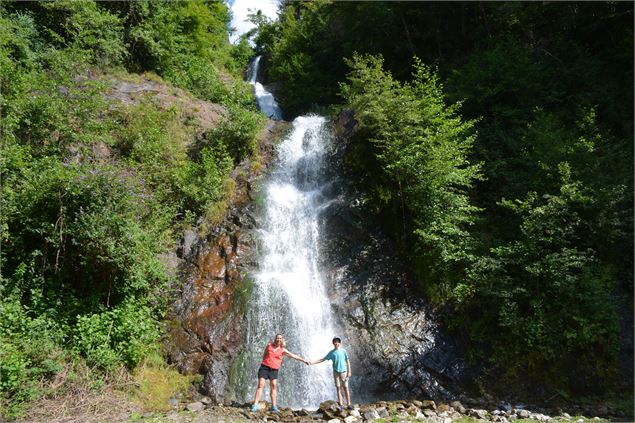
point(421, 146)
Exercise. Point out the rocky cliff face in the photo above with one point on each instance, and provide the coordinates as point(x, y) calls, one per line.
point(207, 318)
point(397, 346)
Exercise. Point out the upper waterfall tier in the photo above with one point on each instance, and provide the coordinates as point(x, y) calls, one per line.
point(266, 102)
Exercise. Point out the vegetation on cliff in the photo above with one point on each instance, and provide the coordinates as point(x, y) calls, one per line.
point(95, 189)
point(503, 165)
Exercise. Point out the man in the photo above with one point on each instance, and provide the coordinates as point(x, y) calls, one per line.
point(341, 370)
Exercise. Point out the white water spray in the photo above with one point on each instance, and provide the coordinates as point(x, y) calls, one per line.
point(266, 102)
point(289, 296)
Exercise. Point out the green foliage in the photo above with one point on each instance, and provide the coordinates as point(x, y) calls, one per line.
point(204, 181)
point(83, 229)
point(187, 44)
point(162, 31)
point(422, 146)
point(197, 75)
point(80, 26)
point(548, 290)
point(94, 191)
point(29, 352)
point(124, 334)
point(85, 27)
point(552, 102)
point(238, 133)
point(295, 44)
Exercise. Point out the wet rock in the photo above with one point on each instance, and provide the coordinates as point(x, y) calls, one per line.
point(209, 327)
point(413, 410)
point(391, 334)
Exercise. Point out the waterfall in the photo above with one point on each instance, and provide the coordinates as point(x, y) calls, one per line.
point(266, 102)
point(289, 295)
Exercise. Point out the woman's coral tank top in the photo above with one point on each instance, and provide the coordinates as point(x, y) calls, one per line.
point(273, 356)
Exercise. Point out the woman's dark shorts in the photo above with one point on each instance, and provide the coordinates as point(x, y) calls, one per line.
point(266, 372)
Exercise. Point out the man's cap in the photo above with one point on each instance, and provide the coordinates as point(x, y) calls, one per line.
point(337, 338)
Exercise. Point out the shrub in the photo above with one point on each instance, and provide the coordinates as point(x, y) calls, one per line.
point(30, 352)
point(238, 133)
point(124, 334)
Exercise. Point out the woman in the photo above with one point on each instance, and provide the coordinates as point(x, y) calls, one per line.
point(271, 361)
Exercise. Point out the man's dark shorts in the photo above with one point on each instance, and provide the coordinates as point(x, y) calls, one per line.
point(266, 372)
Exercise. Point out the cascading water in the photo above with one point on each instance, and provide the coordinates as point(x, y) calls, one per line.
point(289, 296)
point(266, 102)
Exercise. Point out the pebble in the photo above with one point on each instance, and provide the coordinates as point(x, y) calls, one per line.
point(380, 411)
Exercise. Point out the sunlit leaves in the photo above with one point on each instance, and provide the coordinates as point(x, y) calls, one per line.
point(422, 145)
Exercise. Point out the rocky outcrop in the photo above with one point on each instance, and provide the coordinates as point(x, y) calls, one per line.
point(207, 316)
point(396, 344)
point(385, 411)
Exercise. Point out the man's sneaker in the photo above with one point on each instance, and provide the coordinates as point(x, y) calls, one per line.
point(254, 408)
point(274, 409)
point(349, 407)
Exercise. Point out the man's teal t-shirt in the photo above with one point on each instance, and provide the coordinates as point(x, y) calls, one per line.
point(339, 358)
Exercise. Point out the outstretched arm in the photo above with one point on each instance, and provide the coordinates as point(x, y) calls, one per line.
point(317, 361)
point(295, 357)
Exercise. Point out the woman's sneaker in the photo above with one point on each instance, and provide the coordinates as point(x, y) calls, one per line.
point(254, 408)
point(274, 409)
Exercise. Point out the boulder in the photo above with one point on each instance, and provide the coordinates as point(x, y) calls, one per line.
point(383, 413)
point(458, 407)
point(371, 414)
point(195, 406)
point(523, 414)
point(428, 405)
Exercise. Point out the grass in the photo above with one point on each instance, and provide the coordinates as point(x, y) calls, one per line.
point(157, 382)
